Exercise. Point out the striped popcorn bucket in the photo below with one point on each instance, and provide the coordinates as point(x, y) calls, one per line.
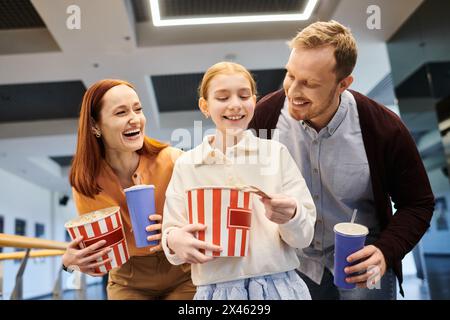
point(227, 214)
point(104, 224)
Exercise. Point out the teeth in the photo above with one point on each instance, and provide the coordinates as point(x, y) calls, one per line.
point(132, 131)
point(299, 103)
point(234, 117)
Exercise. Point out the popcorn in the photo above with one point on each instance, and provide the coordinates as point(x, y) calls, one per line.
point(88, 218)
point(104, 224)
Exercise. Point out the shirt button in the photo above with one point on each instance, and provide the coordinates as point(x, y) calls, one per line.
point(318, 243)
point(315, 142)
point(316, 197)
point(316, 170)
point(319, 220)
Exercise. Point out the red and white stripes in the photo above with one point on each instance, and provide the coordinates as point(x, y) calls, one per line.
point(227, 214)
point(110, 229)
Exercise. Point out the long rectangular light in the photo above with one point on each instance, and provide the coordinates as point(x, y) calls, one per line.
point(158, 22)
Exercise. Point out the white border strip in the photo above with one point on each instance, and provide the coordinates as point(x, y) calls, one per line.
point(157, 22)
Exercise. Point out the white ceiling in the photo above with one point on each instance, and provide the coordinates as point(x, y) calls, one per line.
point(111, 45)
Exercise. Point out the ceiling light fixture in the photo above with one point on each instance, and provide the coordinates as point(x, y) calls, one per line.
point(158, 22)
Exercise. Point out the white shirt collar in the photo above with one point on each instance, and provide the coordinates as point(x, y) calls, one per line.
point(208, 154)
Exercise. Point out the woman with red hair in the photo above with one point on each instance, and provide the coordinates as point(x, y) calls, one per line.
point(112, 154)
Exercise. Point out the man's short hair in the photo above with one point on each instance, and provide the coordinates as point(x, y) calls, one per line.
point(331, 33)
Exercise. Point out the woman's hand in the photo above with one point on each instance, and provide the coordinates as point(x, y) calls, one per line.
point(84, 260)
point(280, 209)
point(155, 227)
point(182, 241)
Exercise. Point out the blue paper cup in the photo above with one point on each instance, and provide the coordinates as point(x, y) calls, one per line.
point(348, 238)
point(141, 204)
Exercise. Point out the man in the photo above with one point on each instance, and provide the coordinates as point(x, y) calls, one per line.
point(354, 154)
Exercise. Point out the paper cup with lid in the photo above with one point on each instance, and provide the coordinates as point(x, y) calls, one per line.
point(141, 204)
point(348, 239)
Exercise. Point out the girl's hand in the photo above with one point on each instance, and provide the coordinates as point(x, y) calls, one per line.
point(155, 227)
point(84, 260)
point(182, 241)
point(280, 209)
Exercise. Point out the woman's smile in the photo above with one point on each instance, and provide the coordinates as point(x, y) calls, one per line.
point(132, 134)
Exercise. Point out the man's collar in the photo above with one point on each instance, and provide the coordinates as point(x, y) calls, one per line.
point(339, 116)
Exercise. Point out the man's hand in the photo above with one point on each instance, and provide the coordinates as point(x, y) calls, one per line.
point(280, 209)
point(374, 263)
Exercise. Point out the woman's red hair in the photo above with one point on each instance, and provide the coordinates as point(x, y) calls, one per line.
point(90, 151)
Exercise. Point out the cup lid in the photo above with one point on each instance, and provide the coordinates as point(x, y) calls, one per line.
point(351, 229)
point(91, 217)
point(139, 187)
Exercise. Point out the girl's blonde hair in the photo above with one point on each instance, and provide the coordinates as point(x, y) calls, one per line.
point(223, 68)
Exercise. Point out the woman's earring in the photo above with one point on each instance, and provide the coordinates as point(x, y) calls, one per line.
point(98, 134)
point(206, 115)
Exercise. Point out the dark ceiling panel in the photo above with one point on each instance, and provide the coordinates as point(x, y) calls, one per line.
point(18, 14)
point(199, 8)
point(179, 92)
point(430, 80)
point(40, 101)
point(63, 161)
point(268, 80)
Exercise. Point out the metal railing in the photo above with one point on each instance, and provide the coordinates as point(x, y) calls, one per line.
point(46, 248)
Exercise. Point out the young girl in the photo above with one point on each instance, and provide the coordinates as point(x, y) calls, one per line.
point(233, 156)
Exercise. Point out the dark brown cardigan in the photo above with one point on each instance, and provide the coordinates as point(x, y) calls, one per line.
point(396, 170)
